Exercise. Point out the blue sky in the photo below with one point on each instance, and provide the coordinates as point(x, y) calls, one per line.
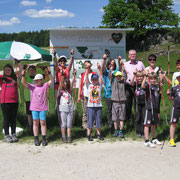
point(34, 15)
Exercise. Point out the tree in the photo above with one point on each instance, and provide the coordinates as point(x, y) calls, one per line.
point(140, 14)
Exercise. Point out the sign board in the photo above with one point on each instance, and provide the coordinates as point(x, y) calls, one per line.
point(89, 44)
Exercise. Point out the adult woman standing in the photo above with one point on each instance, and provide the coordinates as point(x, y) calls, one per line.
point(9, 100)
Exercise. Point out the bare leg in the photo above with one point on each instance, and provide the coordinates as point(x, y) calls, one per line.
point(36, 127)
point(146, 132)
point(172, 131)
point(98, 130)
point(153, 131)
point(69, 132)
point(89, 131)
point(63, 132)
point(115, 125)
point(121, 125)
point(43, 127)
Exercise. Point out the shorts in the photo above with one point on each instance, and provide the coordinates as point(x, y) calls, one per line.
point(66, 119)
point(118, 111)
point(39, 115)
point(28, 112)
point(148, 120)
point(94, 114)
point(175, 113)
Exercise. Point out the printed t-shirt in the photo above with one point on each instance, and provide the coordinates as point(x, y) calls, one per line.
point(94, 96)
point(38, 97)
point(9, 91)
point(66, 101)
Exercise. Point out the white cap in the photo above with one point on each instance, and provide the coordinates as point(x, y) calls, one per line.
point(38, 76)
point(63, 57)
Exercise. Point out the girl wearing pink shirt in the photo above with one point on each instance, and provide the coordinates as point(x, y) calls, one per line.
point(39, 104)
point(9, 100)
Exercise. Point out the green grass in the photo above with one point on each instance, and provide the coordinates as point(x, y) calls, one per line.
point(53, 133)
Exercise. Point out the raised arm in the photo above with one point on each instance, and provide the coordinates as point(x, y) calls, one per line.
point(50, 76)
point(104, 63)
point(71, 60)
point(23, 80)
point(120, 62)
point(73, 79)
point(55, 60)
point(143, 82)
point(19, 73)
point(101, 76)
point(169, 95)
point(79, 91)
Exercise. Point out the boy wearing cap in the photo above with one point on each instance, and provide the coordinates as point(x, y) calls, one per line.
point(82, 93)
point(174, 95)
point(140, 108)
point(38, 104)
point(94, 104)
point(118, 98)
point(152, 114)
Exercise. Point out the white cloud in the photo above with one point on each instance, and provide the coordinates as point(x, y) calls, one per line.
point(12, 21)
point(48, 13)
point(49, 1)
point(28, 3)
point(101, 10)
point(176, 2)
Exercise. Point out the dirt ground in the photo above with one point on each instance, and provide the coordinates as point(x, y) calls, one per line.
point(89, 160)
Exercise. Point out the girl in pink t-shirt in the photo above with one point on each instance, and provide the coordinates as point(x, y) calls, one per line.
point(38, 104)
point(9, 100)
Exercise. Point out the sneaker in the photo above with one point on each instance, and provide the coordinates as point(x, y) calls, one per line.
point(8, 139)
point(44, 143)
point(149, 144)
point(64, 140)
point(116, 133)
point(90, 138)
point(121, 134)
point(14, 138)
point(99, 136)
point(69, 140)
point(172, 143)
point(37, 143)
point(156, 141)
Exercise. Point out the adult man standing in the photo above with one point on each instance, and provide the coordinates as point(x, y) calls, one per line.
point(130, 67)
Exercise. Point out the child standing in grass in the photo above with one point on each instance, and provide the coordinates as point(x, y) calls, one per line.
point(9, 100)
point(174, 95)
point(152, 114)
point(118, 98)
point(66, 106)
point(94, 104)
point(140, 102)
point(39, 104)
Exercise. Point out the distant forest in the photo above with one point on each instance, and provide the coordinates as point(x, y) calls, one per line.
point(38, 38)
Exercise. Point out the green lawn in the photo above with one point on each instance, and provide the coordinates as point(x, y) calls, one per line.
point(53, 133)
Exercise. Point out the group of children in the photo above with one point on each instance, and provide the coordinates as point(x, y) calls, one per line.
point(147, 98)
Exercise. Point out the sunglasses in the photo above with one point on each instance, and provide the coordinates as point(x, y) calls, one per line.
point(151, 59)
